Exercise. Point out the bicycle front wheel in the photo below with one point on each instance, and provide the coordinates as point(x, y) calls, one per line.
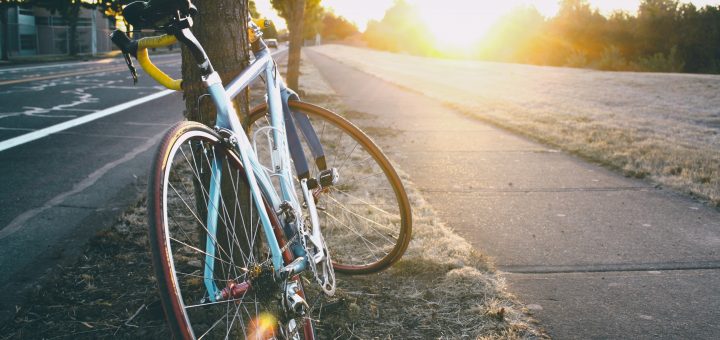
point(207, 240)
point(365, 217)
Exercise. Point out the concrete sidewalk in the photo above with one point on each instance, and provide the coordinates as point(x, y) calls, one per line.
point(592, 254)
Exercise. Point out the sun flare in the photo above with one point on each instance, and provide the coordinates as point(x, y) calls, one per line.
point(453, 24)
point(459, 24)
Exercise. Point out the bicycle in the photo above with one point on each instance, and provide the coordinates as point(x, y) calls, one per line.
point(232, 242)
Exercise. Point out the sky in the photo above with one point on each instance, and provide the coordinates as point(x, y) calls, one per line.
point(472, 16)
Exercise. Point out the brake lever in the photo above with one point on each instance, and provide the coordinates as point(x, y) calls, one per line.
point(130, 66)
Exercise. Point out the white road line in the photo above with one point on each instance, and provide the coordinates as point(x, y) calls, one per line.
point(29, 137)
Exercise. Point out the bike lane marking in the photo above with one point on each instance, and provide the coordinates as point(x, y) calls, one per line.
point(29, 137)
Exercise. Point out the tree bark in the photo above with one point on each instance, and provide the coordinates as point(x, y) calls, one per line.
point(296, 42)
point(72, 19)
point(221, 28)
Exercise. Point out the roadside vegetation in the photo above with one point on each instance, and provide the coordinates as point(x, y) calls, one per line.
point(662, 127)
point(664, 36)
point(442, 288)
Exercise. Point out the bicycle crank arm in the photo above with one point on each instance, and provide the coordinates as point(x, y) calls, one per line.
point(316, 248)
point(315, 237)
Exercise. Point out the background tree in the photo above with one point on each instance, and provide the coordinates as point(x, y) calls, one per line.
point(336, 27)
point(252, 9)
point(5, 5)
point(699, 40)
point(312, 19)
point(577, 28)
point(620, 32)
point(293, 11)
point(111, 8)
point(657, 24)
point(400, 30)
point(517, 37)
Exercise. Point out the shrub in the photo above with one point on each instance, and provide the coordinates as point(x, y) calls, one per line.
point(661, 63)
point(612, 60)
point(577, 59)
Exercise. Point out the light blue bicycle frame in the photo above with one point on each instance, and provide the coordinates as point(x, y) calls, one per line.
point(259, 180)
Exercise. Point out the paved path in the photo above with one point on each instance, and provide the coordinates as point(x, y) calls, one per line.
point(592, 254)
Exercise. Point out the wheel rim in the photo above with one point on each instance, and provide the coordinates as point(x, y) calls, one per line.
point(366, 218)
point(182, 251)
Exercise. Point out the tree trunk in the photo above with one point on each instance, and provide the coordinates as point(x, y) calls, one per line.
point(221, 28)
point(72, 19)
point(5, 34)
point(296, 42)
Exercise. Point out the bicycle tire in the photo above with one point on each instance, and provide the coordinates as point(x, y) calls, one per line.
point(367, 220)
point(178, 238)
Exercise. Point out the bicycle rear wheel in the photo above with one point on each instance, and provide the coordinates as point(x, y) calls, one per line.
point(365, 218)
point(185, 249)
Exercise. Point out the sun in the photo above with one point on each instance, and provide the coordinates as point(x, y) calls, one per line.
point(461, 24)
point(455, 24)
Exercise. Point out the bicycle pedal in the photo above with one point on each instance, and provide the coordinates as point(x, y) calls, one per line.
point(294, 302)
point(312, 184)
point(328, 177)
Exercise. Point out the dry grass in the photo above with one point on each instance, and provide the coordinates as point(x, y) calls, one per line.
point(110, 292)
point(665, 127)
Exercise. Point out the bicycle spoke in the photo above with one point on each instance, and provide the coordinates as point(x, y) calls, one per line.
point(365, 217)
point(367, 242)
point(365, 203)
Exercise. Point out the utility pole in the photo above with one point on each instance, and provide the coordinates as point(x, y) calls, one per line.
point(93, 34)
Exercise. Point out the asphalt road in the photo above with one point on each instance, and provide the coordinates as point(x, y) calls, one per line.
point(58, 190)
point(591, 253)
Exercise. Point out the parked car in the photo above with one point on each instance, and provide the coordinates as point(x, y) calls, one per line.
point(271, 43)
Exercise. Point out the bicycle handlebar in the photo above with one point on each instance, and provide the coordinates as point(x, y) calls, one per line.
point(138, 48)
point(144, 59)
point(178, 29)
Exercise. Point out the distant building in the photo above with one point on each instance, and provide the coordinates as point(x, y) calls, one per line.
point(35, 31)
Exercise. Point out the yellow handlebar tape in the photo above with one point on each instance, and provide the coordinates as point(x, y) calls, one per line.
point(147, 65)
